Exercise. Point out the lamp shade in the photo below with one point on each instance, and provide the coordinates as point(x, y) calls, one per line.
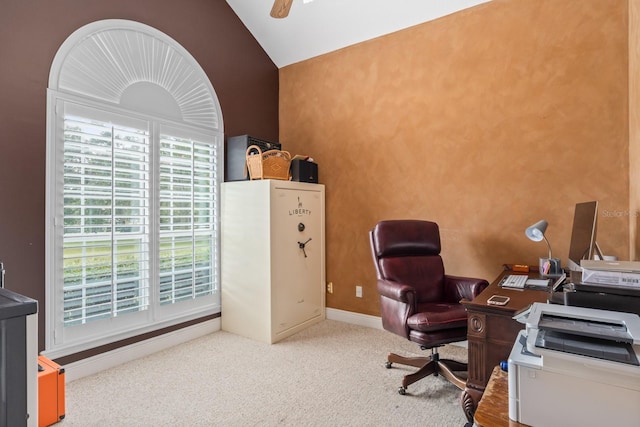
point(536, 231)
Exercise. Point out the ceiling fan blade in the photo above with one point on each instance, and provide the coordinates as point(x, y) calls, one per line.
point(281, 8)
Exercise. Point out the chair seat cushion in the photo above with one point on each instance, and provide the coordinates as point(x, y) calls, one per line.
point(437, 316)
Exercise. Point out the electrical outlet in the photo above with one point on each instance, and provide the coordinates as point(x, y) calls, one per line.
point(330, 287)
point(358, 291)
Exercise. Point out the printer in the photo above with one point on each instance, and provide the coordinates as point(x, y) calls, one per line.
point(575, 366)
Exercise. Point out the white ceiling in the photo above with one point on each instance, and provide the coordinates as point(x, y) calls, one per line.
point(315, 27)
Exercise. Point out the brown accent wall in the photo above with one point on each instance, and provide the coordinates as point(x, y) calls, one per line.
point(634, 128)
point(484, 121)
point(31, 31)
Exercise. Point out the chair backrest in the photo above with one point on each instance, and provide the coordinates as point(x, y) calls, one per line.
point(408, 251)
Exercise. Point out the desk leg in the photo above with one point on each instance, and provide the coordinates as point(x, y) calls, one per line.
point(469, 398)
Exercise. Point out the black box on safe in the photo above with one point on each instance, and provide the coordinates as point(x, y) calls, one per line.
point(304, 171)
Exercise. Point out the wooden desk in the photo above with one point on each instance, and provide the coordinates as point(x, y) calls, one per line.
point(491, 334)
point(493, 409)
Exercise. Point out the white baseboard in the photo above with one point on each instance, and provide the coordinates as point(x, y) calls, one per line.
point(367, 320)
point(101, 362)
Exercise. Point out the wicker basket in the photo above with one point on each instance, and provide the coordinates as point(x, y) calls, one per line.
point(272, 164)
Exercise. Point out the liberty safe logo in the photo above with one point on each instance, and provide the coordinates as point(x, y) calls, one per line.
point(300, 210)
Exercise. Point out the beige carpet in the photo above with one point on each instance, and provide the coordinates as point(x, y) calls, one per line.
point(331, 374)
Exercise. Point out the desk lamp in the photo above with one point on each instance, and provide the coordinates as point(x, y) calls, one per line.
point(548, 266)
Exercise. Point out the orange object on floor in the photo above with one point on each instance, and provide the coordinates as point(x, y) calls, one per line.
point(50, 392)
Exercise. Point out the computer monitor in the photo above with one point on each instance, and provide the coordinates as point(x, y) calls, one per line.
point(583, 234)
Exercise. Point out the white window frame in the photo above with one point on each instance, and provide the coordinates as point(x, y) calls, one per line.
point(162, 87)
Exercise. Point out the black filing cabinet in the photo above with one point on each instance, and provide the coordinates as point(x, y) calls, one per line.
point(17, 314)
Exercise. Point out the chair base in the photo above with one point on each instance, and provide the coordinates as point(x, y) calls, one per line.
point(455, 372)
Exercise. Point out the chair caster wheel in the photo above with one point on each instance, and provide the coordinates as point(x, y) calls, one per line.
point(402, 391)
point(387, 365)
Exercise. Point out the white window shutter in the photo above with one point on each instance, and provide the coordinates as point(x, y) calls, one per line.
point(134, 170)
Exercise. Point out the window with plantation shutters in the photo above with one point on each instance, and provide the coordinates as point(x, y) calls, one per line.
point(187, 218)
point(105, 219)
point(134, 163)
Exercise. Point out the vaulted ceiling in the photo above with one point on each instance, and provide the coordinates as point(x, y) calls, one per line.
point(315, 27)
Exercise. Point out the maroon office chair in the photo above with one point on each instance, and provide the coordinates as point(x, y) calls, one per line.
point(418, 300)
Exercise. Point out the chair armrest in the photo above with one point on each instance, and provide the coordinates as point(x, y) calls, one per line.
point(457, 288)
point(397, 303)
point(396, 291)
